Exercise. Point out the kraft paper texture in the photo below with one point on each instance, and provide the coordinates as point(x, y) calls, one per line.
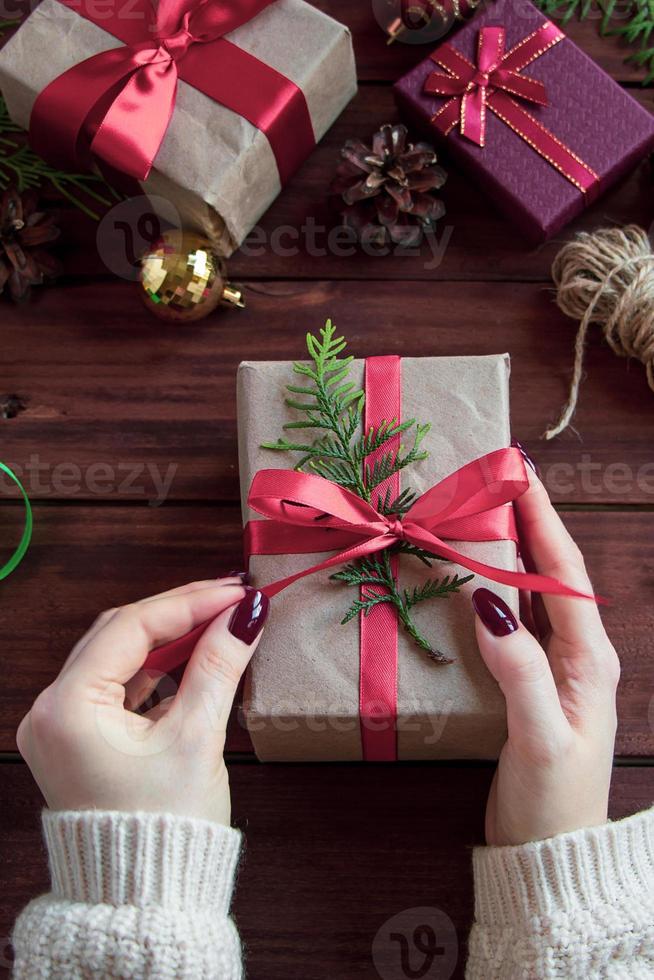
point(217, 169)
point(303, 686)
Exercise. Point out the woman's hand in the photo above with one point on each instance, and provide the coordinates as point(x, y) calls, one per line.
point(555, 770)
point(87, 749)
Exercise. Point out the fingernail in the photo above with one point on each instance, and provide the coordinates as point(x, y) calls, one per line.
point(494, 612)
point(249, 616)
point(525, 455)
point(244, 576)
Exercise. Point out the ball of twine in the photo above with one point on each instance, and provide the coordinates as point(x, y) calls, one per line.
point(607, 278)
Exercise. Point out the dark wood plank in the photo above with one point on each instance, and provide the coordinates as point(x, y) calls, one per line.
point(110, 403)
point(104, 397)
point(316, 887)
point(376, 61)
point(86, 559)
point(297, 237)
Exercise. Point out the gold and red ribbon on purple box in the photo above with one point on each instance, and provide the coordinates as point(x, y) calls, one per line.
point(496, 83)
point(116, 105)
point(308, 514)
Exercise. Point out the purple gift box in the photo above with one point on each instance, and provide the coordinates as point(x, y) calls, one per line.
point(586, 111)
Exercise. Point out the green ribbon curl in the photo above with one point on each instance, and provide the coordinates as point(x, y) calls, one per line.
point(24, 543)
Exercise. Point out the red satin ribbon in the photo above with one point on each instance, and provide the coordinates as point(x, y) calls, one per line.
point(378, 632)
point(492, 84)
point(472, 504)
point(117, 104)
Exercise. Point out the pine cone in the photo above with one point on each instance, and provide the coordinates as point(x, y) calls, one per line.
point(23, 230)
point(389, 189)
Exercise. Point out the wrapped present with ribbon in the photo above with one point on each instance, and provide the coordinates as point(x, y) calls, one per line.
point(320, 687)
point(210, 106)
point(539, 127)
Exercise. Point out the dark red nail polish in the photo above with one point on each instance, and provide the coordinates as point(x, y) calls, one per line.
point(244, 576)
point(249, 616)
point(525, 455)
point(494, 612)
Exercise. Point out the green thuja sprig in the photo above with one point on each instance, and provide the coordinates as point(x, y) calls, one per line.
point(634, 22)
point(332, 405)
point(19, 165)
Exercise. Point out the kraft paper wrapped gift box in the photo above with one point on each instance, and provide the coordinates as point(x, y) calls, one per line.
point(302, 695)
point(216, 168)
point(589, 113)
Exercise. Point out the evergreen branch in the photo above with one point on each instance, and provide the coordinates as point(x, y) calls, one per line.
point(375, 572)
point(637, 31)
point(365, 604)
point(6, 123)
point(398, 505)
point(425, 556)
point(331, 403)
point(374, 439)
point(366, 571)
point(340, 473)
point(19, 165)
point(393, 461)
point(435, 589)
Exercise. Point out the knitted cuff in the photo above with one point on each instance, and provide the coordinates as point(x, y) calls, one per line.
point(608, 865)
point(141, 859)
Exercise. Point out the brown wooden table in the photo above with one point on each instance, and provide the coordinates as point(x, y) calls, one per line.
point(95, 397)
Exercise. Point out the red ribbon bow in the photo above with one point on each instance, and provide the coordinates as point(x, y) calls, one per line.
point(308, 514)
point(473, 85)
point(117, 105)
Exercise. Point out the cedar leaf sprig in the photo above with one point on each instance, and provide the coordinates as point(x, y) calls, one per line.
point(633, 21)
point(332, 405)
point(19, 165)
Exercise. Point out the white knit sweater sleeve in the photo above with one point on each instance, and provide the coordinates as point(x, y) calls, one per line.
point(138, 895)
point(579, 906)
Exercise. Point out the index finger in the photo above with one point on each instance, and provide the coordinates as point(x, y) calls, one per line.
point(121, 646)
point(108, 614)
point(554, 553)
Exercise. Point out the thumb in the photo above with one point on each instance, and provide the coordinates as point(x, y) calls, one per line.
point(520, 666)
point(213, 673)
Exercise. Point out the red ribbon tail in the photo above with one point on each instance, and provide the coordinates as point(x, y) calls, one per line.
point(66, 107)
point(367, 547)
point(133, 129)
point(527, 581)
point(172, 655)
point(529, 89)
point(439, 84)
point(473, 115)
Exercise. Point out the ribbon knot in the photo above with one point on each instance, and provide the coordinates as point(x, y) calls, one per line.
point(396, 528)
point(177, 44)
point(473, 86)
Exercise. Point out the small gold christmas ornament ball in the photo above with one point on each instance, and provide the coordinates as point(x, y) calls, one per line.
point(182, 278)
